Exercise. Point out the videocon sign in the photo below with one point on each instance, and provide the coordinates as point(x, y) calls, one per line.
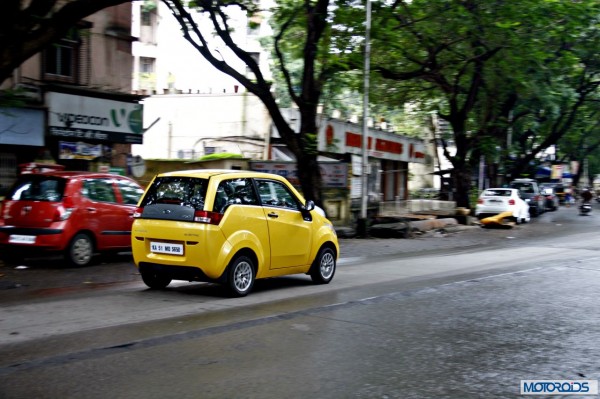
point(79, 117)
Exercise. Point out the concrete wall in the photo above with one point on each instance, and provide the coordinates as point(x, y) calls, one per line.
point(156, 166)
point(187, 125)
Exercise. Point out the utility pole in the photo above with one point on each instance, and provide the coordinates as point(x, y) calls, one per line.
point(362, 228)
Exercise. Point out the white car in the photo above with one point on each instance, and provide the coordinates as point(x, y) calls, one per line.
point(493, 201)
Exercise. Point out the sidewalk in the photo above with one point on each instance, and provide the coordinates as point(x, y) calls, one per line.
point(454, 236)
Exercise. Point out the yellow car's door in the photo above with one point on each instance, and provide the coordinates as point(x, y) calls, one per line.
point(290, 235)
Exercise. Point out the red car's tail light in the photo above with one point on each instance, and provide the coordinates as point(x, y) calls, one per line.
point(61, 213)
point(208, 217)
point(138, 212)
point(511, 201)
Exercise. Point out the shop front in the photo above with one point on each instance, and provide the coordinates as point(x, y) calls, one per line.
point(389, 158)
point(93, 131)
point(21, 140)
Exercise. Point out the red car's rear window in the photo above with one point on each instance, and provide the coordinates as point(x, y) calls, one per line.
point(37, 188)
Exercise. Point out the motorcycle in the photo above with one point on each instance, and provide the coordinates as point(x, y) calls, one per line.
point(585, 208)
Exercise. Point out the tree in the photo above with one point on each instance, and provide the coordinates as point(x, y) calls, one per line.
point(563, 108)
point(303, 43)
point(487, 67)
point(26, 28)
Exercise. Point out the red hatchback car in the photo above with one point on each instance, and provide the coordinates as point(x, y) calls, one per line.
point(73, 213)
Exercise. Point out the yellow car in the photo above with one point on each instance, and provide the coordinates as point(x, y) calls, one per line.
point(231, 227)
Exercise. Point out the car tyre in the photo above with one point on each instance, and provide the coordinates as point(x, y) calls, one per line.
point(241, 276)
point(323, 269)
point(156, 281)
point(80, 250)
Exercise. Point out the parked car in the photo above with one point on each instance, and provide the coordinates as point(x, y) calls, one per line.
point(230, 227)
point(552, 200)
point(494, 201)
point(72, 213)
point(531, 194)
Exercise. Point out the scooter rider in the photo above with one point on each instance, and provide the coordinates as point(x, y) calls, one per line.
point(586, 198)
point(586, 195)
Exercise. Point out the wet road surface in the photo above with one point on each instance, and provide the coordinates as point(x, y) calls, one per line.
point(452, 322)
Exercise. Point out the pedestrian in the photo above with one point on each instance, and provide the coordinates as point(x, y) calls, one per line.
point(568, 197)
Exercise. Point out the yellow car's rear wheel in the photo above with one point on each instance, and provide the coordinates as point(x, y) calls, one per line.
point(156, 281)
point(241, 276)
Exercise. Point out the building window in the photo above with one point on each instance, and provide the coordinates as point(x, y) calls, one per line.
point(256, 58)
point(147, 65)
point(60, 60)
point(253, 27)
point(146, 18)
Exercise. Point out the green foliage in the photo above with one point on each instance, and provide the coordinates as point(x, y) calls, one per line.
point(11, 99)
point(490, 69)
point(149, 5)
point(220, 155)
point(310, 143)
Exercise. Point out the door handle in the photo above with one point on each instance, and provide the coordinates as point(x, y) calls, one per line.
point(91, 210)
point(273, 215)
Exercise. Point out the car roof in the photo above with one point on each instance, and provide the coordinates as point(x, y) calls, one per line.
point(207, 173)
point(75, 174)
point(500, 189)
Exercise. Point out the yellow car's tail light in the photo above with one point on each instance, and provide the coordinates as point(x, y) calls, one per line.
point(208, 217)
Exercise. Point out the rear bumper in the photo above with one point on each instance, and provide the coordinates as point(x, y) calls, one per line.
point(185, 273)
point(45, 239)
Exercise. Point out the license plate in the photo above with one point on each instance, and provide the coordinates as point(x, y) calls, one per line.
point(21, 239)
point(166, 248)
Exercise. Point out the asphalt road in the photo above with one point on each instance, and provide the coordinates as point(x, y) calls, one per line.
point(463, 314)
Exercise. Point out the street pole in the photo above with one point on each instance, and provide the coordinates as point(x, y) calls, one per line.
point(362, 228)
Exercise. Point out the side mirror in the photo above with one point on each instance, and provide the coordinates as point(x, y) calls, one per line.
point(310, 205)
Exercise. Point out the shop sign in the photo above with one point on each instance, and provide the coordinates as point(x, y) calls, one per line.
point(334, 174)
point(79, 150)
point(22, 126)
point(79, 117)
point(345, 138)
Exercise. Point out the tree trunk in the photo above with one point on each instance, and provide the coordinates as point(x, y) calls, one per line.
point(309, 175)
point(462, 184)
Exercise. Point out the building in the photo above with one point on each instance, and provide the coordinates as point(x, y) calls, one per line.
point(392, 160)
point(192, 109)
point(166, 63)
point(79, 111)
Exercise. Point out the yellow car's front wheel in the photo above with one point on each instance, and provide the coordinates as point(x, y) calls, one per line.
point(323, 269)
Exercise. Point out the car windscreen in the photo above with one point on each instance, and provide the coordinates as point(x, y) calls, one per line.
point(183, 191)
point(37, 188)
point(526, 188)
point(497, 193)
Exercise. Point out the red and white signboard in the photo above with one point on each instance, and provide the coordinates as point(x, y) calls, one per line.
point(343, 138)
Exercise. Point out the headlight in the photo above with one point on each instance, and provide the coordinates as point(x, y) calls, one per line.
point(330, 226)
